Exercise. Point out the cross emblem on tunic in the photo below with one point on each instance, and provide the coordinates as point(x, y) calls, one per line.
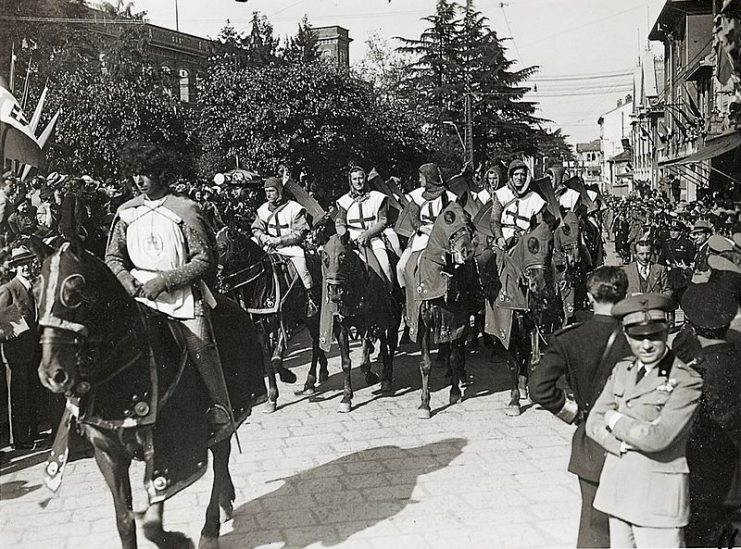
point(276, 228)
point(360, 220)
point(428, 217)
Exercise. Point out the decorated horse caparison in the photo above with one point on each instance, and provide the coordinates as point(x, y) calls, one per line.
point(356, 296)
point(135, 393)
point(269, 289)
point(442, 294)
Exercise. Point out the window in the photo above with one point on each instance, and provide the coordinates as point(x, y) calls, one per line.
point(167, 75)
point(184, 85)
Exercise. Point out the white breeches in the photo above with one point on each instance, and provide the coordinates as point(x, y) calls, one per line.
point(299, 261)
point(402, 265)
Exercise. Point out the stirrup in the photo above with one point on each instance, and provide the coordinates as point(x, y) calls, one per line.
point(218, 415)
point(311, 308)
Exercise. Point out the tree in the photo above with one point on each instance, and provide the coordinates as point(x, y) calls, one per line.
point(304, 46)
point(460, 56)
point(308, 116)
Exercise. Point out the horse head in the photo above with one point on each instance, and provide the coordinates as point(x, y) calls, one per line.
point(82, 307)
point(567, 240)
point(341, 268)
point(533, 254)
point(452, 235)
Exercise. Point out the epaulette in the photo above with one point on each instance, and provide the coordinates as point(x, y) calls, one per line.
point(567, 328)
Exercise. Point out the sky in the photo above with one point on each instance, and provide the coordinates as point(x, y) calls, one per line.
point(599, 38)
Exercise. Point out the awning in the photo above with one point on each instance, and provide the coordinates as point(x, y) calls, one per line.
point(713, 147)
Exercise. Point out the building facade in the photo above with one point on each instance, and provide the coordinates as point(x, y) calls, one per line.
point(647, 119)
point(615, 130)
point(589, 161)
point(334, 42)
point(700, 137)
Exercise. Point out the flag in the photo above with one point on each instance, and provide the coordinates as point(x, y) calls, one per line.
point(43, 141)
point(19, 145)
point(34, 124)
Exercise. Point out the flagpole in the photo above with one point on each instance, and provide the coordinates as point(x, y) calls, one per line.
point(12, 67)
point(177, 17)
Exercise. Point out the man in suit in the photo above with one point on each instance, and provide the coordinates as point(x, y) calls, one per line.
point(643, 418)
point(20, 349)
point(645, 276)
point(700, 235)
point(586, 368)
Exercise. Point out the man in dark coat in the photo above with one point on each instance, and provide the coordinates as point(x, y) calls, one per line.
point(645, 276)
point(677, 253)
point(586, 368)
point(714, 446)
point(21, 352)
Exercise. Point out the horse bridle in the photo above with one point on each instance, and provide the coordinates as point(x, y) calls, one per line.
point(455, 236)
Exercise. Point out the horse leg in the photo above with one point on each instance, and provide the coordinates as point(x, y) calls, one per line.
point(513, 365)
point(425, 367)
point(365, 365)
point(323, 363)
point(222, 496)
point(343, 343)
point(115, 470)
point(272, 403)
point(153, 531)
point(387, 355)
point(286, 375)
point(456, 367)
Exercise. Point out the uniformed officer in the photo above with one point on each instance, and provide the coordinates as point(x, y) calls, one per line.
point(586, 368)
point(677, 253)
point(714, 443)
point(700, 234)
point(642, 418)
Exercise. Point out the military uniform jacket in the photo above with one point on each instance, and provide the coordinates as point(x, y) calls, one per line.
point(673, 252)
point(568, 355)
point(24, 348)
point(657, 281)
point(646, 486)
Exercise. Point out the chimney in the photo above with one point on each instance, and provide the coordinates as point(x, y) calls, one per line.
point(628, 98)
point(619, 102)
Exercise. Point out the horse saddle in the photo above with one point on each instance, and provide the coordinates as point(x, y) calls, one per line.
point(266, 292)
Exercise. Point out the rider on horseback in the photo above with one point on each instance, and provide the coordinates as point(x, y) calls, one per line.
point(281, 227)
point(568, 199)
point(492, 181)
point(513, 207)
point(426, 203)
point(160, 248)
point(362, 213)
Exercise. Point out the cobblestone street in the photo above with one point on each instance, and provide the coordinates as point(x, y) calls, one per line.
point(377, 477)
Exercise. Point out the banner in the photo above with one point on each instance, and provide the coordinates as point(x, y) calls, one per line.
point(18, 144)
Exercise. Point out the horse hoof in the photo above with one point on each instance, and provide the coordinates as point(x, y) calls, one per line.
point(344, 407)
point(323, 376)
point(423, 413)
point(226, 512)
point(207, 542)
point(513, 410)
point(387, 388)
point(306, 391)
point(270, 407)
point(371, 378)
point(455, 399)
point(286, 375)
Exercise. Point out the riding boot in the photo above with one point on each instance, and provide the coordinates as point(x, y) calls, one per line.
point(311, 303)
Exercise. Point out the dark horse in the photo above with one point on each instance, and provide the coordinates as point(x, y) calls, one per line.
point(573, 264)
point(442, 294)
point(268, 287)
point(524, 306)
point(356, 296)
point(138, 395)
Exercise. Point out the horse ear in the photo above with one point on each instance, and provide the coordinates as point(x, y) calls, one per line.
point(39, 248)
point(75, 245)
point(345, 238)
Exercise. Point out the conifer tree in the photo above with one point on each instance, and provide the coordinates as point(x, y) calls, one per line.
point(304, 46)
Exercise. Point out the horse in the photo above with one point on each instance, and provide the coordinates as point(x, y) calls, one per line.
point(442, 298)
point(524, 305)
point(268, 287)
point(136, 395)
point(573, 264)
point(357, 297)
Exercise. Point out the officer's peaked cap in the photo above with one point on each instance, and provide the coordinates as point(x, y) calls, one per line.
point(643, 314)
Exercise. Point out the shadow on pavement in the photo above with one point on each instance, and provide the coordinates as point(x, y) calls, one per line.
point(16, 489)
point(330, 517)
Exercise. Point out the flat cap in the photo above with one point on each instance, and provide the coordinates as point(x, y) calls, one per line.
point(702, 225)
point(271, 183)
point(709, 306)
point(643, 314)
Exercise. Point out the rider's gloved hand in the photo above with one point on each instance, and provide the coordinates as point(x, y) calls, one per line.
point(153, 288)
point(501, 243)
point(363, 239)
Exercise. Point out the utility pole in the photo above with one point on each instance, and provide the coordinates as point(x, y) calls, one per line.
point(468, 110)
point(177, 17)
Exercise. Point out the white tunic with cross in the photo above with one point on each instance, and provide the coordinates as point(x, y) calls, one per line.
point(428, 212)
point(362, 215)
point(280, 222)
point(517, 210)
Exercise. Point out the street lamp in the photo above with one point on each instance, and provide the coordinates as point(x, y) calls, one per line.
point(458, 133)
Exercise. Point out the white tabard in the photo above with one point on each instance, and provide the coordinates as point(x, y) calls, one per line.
point(428, 212)
point(282, 224)
point(517, 211)
point(568, 199)
point(155, 242)
point(362, 215)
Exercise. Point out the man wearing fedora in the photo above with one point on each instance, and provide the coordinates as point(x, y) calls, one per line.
point(642, 418)
point(20, 348)
point(644, 274)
